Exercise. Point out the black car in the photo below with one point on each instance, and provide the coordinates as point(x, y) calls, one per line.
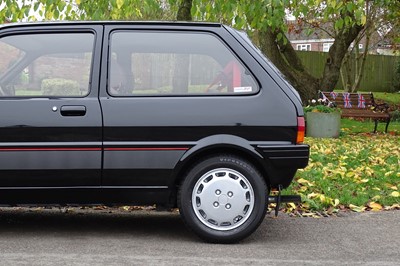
point(177, 114)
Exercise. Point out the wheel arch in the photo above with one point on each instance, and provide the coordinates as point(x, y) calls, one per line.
point(220, 144)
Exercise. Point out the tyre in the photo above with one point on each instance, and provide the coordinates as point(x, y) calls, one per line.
point(223, 199)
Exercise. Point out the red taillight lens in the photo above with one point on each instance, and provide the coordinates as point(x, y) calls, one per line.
point(301, 130)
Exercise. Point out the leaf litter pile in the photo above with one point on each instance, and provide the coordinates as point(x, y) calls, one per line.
point(353, 173)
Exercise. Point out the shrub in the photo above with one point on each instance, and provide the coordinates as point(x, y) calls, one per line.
point(60, 87)
point(321, 106)
point(395, 115)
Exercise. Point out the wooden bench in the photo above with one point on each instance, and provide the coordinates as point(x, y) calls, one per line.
point(358, 105)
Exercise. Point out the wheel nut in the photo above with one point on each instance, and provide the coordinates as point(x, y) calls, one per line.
point(228, 206)
point(218, 192)
point(216, 204)
point(230, 194)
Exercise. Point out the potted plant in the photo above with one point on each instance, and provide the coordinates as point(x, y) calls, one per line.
point(322, 119)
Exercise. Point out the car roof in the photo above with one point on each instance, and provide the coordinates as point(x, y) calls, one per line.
point(154, 23)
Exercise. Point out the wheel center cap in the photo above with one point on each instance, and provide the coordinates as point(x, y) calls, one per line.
point(223, 199)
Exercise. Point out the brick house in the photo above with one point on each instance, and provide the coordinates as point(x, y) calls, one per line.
point(319, 40)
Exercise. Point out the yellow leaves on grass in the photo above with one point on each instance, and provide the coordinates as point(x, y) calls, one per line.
point(372, 206)
point(390, 186)
point(324, 199)
point(360, 172)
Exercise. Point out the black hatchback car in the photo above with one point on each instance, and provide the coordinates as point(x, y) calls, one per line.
point(178, 114)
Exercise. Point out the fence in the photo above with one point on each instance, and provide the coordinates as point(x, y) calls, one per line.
point(379, 73)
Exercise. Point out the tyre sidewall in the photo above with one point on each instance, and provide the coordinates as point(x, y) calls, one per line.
point(255, 218)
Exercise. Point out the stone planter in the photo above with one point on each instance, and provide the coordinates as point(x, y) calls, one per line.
point(323, 125)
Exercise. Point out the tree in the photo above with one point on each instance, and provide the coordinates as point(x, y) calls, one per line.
point(266, 20)
point(29, 10)
point(380, 27)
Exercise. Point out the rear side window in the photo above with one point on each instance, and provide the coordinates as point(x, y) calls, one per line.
point(45, 65)
point(174, 63)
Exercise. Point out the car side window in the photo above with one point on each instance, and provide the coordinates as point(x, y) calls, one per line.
point(45, 65)
point(174, 63)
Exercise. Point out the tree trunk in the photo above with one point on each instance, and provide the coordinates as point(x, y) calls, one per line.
point(345, 71)
point(336, 54)
point(180, 81)
point(285, 58)
point(184, 11)
point(363, 58)
point(287, 61)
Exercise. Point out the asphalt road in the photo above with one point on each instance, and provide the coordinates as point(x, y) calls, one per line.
point(85, 237)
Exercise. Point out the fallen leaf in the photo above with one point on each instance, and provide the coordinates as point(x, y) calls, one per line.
point(350, 174)
point(305, 182)
point(98, 208)
point(377, 197)
point(307, 214)
point(356, 208)
point(395, 194)
point(389, 173)
point(292, 206)
point(375, 206)
point(336, 203)
point(312, 195)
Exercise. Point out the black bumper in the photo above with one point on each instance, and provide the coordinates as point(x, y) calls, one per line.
point(282, 162)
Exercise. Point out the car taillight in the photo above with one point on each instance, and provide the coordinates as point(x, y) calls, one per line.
point(301, 130)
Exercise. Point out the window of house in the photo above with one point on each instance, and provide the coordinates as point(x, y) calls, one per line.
point(45, 65)
point(326, 46)
point(171, 63)
point(303, 47)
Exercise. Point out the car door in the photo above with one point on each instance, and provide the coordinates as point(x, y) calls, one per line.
point(50, 116)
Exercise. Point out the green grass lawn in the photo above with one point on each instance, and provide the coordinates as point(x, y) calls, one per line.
point(393, 98)
point(351, 126)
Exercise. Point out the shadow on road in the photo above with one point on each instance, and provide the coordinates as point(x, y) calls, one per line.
point(113, 222)
point(103, 222)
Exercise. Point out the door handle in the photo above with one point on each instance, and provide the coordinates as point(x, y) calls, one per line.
point(73, 110)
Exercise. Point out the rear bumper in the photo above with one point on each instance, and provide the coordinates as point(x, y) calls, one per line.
point(291, 156)
point(282, 162)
